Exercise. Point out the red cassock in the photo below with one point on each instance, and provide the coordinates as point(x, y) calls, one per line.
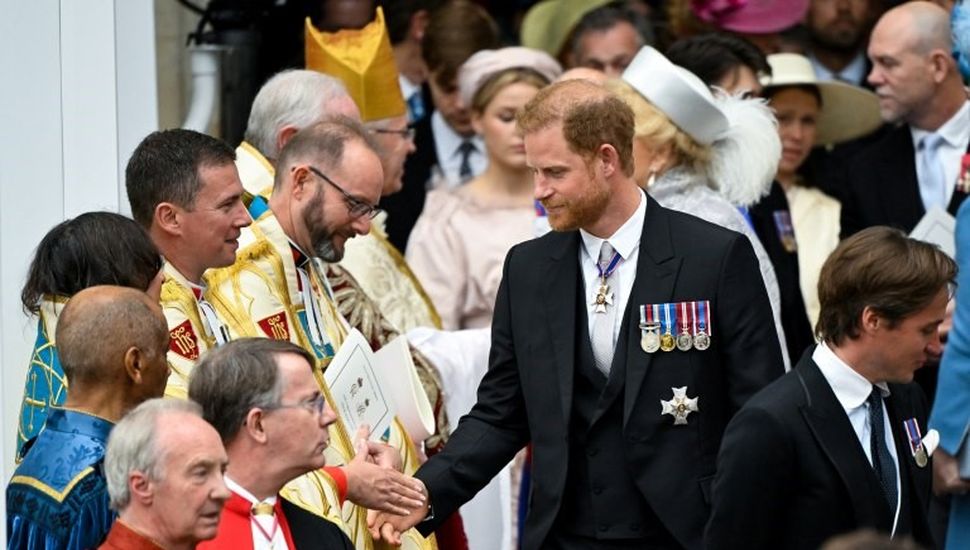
point(235, 526)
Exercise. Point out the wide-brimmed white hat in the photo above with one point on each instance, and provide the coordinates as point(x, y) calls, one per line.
point(847, 111)
point(678, 93)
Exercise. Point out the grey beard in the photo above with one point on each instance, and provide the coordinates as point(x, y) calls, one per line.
point(326, 251)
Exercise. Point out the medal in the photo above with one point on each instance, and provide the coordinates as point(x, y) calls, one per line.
point(667, 342)
point(684, 339)
point(786, 232)
point(604, 297)
point(702, 335)
point(680, 406)
point(915, 439)
point(649, 330)
point(963, 179)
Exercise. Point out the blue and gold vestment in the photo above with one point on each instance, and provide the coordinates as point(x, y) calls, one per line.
point(58, 497)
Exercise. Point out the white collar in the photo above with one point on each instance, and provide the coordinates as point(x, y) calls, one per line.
point(241, 491)
point(625, 240)
point(850, 388)
point(448, 141)
point(953, 131)
point(408, 88)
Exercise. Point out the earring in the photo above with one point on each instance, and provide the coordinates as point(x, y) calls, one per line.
point(651, 179)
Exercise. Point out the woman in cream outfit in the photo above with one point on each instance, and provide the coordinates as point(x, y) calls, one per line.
point(813, 113)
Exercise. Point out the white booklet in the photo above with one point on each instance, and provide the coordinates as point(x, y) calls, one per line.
point(371, 388)
point(937, 227)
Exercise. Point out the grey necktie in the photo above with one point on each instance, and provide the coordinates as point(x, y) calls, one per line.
point(932, 184)
point(603, 321)
point(882, 461)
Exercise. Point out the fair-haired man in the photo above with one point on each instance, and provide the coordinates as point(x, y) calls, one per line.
point(112, 343)
point(165, 467)
point(835, 445)
point(184, 190)
point(625, 436)
point(261, 397)
point(915, 167)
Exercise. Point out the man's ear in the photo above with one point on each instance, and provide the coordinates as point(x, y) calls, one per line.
point(141, 488)
point(871, 321)
point(254, 425)
point(941, 64)
point(283, 137)
point(167, 218)
point(609, 158)
point(301, 177)
point(134, 361)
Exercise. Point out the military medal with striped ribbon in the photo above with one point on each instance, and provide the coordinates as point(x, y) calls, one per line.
point(685, 340)
point(702, 325)
point(667, 342)
point(916, 442)
point(649, 329)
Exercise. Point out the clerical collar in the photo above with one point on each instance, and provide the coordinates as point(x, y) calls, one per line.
point(197, 290)
point(300, 258)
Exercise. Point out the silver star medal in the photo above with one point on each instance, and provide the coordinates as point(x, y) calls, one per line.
point(603, 298)
point(680, 406)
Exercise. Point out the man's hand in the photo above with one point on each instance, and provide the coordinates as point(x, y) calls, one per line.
point(381, 488)
point(946, 475)
point(387, 527)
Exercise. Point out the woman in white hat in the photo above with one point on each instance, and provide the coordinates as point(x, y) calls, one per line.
point(460, 240)
point(692, 148)
point(812, 113)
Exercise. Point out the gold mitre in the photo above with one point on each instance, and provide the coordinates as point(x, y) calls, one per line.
point(363, 61)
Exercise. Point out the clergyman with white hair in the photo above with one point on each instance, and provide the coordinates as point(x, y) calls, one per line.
point(164, 466)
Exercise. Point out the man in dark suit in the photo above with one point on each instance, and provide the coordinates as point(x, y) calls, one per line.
point(835, 444)
point(916, 165)
point(624, 426)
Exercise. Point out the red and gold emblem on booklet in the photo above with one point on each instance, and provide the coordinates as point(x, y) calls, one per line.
point(276, 327)
point(182, 340)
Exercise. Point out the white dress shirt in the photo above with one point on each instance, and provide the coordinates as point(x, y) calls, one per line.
point(626, 241)
point(270, 524)
point(956, 136)
point(447, 142)
point(852, 390)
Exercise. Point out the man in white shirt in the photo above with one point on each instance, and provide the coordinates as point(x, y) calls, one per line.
point(836, 444)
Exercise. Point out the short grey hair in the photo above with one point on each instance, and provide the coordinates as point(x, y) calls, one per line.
point(294, 97)
point(232, 379)
point(132, 446)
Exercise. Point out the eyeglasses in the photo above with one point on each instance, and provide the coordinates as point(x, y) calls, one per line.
point(355, 206)
point(316, 405)
point(407, 132)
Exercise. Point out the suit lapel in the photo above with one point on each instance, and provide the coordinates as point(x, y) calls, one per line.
point(900, 409)
point(900, 195)
point(831, 428)
point(561, 274)
point(657, 269)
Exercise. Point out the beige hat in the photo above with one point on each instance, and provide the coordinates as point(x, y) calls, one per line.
point(485, 63)
point(547, 24)
point(847, 111)
point(678, 93)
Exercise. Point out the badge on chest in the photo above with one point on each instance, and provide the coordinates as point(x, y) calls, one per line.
point(675, 326)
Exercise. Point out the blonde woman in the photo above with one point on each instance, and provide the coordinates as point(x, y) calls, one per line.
point(460, 241)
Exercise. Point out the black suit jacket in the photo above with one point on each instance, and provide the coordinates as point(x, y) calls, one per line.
point(312, 531)
point(791, 472)
point(882, 189)
point(527, 392)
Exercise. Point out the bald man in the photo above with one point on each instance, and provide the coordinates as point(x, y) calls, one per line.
point(915, 166)
point(112, 342)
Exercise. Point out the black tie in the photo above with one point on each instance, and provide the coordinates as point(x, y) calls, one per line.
point(465, 170)
point(882, 461)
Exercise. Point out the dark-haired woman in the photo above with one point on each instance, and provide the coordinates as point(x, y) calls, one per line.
point(96, 248)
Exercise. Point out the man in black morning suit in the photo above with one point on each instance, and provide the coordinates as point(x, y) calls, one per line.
point(826, 449)
point(920, 89)
point(609, 469)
